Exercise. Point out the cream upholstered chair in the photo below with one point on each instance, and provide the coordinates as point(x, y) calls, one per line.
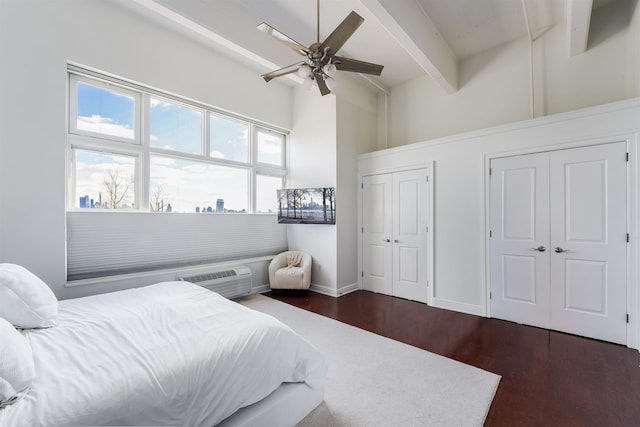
point(290, 270)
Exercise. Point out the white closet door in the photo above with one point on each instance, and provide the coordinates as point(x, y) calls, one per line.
point(377, 233)
point(410, 207)
point(588, 237)
point(520, 239)
point(558, 245)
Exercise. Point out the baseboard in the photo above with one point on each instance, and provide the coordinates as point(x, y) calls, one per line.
point(458, 306)
point(348, 289)
point(325, 290)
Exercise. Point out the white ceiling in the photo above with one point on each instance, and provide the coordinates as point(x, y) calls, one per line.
point(409, 37)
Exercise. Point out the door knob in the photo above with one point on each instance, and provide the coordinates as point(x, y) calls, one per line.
point(540, 249)
point(396, 241)
point(387, 240)
point(559, 250)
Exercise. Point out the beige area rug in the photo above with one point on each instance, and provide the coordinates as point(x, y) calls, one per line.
point(375, 381)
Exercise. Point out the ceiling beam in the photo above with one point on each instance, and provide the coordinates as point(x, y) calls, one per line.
point(410, 25)
point(578, 17)
point(179, 21)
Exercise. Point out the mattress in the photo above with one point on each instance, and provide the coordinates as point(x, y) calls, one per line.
point(172, 353)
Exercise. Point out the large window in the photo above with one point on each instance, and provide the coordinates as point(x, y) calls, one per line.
point(135, 148)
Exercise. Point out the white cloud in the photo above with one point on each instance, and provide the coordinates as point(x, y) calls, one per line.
point(104, 125)
point(159, 103)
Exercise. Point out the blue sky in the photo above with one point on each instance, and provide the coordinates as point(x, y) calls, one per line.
point(185, 184)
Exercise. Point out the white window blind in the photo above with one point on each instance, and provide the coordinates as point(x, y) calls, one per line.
point(101, 244)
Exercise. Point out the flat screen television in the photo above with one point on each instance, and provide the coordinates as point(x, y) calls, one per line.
point(307, 206)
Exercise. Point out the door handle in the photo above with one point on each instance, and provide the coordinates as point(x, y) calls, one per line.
point(396, 241)
point(386, 240)
point(559, 250)
point(540, 249)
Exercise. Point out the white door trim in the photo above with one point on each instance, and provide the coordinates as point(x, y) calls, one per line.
point(633, 222)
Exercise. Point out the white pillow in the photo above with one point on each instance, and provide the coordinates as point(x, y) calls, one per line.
point(17, 370)
point(25, 300)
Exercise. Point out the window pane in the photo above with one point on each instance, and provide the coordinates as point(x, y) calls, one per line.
point(270, 147)
point(105, 111)
point(229, 139)
point(174, 127)
point(266, 193)
point(189, 186)
point(104, 180)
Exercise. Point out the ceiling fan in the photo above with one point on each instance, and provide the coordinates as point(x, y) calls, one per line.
point(321, 62)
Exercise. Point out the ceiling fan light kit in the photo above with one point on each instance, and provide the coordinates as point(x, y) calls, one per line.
point(321, 63)
point(304, 71)
point(330, 69)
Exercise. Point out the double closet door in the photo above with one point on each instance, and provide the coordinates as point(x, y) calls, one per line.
point(559, 240)
point(394, 234)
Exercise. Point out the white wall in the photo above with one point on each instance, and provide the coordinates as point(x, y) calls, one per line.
point(328, 133)
point(493, 90)
point(37, 38)
point(357, 134)
point(460, 177)
point(605, 73)
point(495, 85)
point(312, 163)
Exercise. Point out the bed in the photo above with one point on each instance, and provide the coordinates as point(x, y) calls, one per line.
point(172, 353)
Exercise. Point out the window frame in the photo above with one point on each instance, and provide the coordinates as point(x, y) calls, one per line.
point(203, 114)
point(268, 166)
point(140, 147)
point(74, 79)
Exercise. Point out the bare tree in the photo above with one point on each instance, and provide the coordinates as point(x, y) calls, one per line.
point(157, 199)
point(328, 194)
point(117, 185)
point(331, 193)
point(282, 198)
point(296, 196)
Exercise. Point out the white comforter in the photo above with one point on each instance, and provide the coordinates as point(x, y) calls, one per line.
point(168, 354)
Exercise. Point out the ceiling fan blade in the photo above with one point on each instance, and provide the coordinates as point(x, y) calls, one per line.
point(287, 41)
point(341, 34)
point(322, 85)
point(346, 64)
point(281, 72)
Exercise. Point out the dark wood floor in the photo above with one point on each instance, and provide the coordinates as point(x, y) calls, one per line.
point(548, 378)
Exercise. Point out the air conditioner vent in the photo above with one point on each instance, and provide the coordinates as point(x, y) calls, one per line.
point(229, 282)
point(210, 276)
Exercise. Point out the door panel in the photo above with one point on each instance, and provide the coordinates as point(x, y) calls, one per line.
point(519, 203)
point(519, 278)
point(589, 223)
point(573, 203)
point(377, 233)
point(585, 286)
point(410, 203)
point(585, 192)
point(520, 225)
point(409, 264)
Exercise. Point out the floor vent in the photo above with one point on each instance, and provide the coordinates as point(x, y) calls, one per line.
point(228, 282)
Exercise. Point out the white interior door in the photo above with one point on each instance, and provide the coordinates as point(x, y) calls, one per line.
point(410, 207)
point(377, 233)
point(558, 245)
point(588, 236)
point(520, 239)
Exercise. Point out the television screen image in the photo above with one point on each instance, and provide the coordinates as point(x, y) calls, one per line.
point(307, 206)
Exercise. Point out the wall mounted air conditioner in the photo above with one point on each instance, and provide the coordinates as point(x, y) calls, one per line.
point(230, 282)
